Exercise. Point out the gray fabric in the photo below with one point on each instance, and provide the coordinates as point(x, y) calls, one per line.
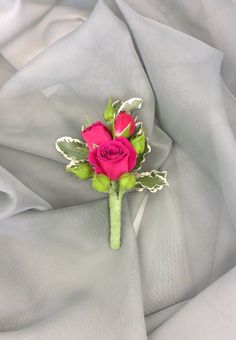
point(58, 277)
point(211, 315)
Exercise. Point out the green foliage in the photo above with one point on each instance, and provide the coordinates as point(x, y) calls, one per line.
point(117, 104)
point(131, 104)
point(109, 111)
point(152, 181)
point(126, 132)
point(141, 158)
point(72, 149)
point(139, 143)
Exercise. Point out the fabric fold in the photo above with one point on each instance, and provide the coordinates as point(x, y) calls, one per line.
point(211, 315)
point(185, 241)
point(59, 279)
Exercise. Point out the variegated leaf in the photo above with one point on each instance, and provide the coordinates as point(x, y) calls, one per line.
point(131, 104)
point(138, 129)
point(84, 126)
point(152, 181)
point(72, 149)
point(141, 158)
point(117, 104)
point(74, 164)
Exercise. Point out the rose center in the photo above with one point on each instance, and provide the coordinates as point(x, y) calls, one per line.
point(112, 150)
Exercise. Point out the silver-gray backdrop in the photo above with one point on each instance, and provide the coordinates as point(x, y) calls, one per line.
point(59, 279)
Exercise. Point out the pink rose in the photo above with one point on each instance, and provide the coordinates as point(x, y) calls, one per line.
point(95, 134)
point(113, 158)
point(122, 122)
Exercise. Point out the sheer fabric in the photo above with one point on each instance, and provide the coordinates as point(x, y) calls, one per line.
point(59, 279)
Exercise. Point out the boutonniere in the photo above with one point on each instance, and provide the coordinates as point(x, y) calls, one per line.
point(111, 155)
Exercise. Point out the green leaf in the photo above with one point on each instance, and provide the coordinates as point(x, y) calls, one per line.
point(72, 149)
point(109, 111)
point(84, 126)
point(139, 143)
point(131, 104)
point(153, 180)
point(141, 158)
point(116, 105)
point(138, 140)
point(138, 129)
point(125, 133)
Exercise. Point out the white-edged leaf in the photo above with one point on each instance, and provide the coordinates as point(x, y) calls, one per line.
point(153, 180)
point(73, 164)
point(83, 127)
point(72, 149)
point(138, 129)
point(141, 158)
point(131, 104)
point(117, 104)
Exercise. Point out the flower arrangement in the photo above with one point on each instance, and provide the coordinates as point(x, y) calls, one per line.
point(111, 155)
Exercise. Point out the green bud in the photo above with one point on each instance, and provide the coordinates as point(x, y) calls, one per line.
point(101, 183)
point(138, 143)
point(109, 111)
point(82, 170)
point(127, 181)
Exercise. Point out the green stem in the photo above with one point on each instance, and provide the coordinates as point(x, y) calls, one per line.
point(115, 204)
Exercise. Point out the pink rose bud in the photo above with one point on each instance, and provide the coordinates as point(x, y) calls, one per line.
point(124, 125)
point(96, 134)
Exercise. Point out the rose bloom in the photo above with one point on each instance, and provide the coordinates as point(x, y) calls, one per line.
point(95, 134)
point(113, 158)
point(122, 121)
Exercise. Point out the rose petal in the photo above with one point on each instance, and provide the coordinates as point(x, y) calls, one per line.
point(92, 158)
point(122, 122)
point(96, 134)
point(114, 169)
point(113, 158)
point(132, 156)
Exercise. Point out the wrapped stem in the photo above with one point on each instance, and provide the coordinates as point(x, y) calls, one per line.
point(115, 205)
